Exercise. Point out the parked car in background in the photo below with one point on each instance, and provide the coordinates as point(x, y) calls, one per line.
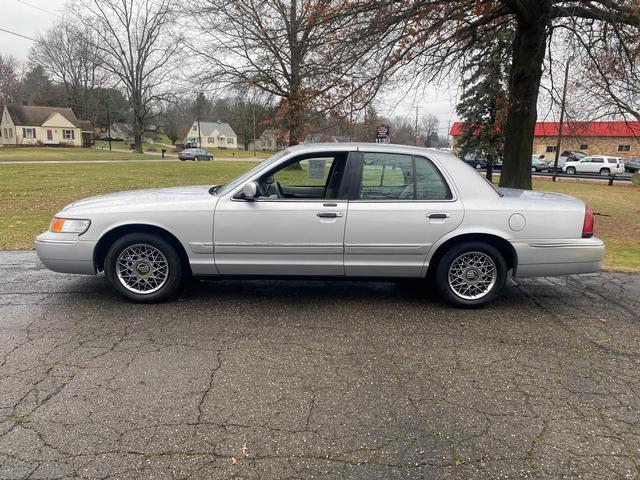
point(329, 210)
point(537, 164)
point(563, 158)
point(194, 154)
point(596, 164)
point(475, 161)
point(632, 165)
point(569, 156)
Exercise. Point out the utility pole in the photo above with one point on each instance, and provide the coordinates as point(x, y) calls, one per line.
point(417, 108)
point(562, 104)
point(198, 119)
point(254, 129)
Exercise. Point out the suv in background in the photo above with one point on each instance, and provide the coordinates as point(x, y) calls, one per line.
point(599, 164)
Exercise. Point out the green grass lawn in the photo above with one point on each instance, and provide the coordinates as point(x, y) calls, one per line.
point(237, 153)
point(61, 153)
point(30, 194)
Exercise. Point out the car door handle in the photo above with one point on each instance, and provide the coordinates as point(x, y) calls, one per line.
point(329, 214)
point(438, 215)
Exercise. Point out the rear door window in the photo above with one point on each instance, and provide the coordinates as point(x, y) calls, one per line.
point(393, 176)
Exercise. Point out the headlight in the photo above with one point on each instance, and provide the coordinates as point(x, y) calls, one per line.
point(68, 225)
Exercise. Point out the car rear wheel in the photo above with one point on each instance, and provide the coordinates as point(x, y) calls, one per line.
point(605, 171)
point(571, 170)
point(471, 274)
point(143, 268)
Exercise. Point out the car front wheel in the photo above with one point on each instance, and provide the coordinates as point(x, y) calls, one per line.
point(471, 274)
point(143, 268)
point(571, 171)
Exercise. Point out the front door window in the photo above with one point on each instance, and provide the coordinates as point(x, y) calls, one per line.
point(310, 177)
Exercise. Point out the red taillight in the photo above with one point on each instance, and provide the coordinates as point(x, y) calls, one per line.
point(587, 226)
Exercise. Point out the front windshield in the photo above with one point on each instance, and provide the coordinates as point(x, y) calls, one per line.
point(250, 173)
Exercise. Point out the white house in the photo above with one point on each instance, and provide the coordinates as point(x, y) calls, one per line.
point(33, 125)
point(212, 134)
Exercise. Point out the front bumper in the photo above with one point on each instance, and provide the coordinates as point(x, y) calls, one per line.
point(542, 258)
point(66, 253)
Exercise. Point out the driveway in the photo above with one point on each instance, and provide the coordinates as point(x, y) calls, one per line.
point(310, 379)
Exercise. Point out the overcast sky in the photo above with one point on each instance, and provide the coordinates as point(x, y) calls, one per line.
point(30, 17)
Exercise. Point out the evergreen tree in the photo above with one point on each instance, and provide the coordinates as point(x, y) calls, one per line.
point(483, 104)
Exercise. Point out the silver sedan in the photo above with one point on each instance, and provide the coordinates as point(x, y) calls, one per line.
point(329, 210)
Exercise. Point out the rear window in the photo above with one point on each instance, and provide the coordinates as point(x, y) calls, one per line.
point(612, 160)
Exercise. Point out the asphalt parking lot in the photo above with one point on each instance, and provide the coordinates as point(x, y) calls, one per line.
point(309, 379)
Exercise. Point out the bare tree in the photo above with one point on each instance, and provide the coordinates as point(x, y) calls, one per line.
point(70, 56)
point(608, 72)
point(9, 82)
point(436, 36)
point(136, 44)
point(428, 129)
point(312, 56)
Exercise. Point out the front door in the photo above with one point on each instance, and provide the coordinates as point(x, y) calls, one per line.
point(49, 135)
point(295, 226)
point(404, 207)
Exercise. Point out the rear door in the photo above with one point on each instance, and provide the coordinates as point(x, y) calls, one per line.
point(403, 205)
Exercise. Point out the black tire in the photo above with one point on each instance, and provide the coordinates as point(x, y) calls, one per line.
point(450, 256)
point(571, 170)
point(172, 281)
point(605, 171)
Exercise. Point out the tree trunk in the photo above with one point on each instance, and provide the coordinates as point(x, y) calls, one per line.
point(138, 127)
point(526, 71)
point(490, 168)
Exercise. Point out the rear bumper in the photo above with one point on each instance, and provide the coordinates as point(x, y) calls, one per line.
point(65, 253)
point(541, 258)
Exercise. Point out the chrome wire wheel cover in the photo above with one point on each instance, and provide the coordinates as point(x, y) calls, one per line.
point(142, 269)
point(472, 275)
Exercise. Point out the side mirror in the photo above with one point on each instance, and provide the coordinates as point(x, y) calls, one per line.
point(250, 190)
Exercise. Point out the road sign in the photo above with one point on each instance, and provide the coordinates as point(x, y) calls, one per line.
point(382, 134)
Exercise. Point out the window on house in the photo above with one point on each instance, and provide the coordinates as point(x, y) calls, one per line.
point(584, 146)
point(551, 148)
point(229, 141)
point(624, 148)
point(68, 134)
point(6, 134)
point(10, 133)
point(29, 132)
point(211, 140)
point(195, 127)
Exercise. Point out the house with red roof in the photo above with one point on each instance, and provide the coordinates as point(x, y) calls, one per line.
point(620, 139)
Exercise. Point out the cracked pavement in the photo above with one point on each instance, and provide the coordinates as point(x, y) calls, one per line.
point(308, 379)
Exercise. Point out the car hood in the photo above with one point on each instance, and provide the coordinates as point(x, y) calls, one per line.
point(155, 199)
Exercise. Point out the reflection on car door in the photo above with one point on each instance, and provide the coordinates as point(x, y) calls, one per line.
point(294, 227)
point(404, 206)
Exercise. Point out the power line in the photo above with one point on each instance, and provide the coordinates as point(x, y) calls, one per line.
point(19, 35)
point(38, 8)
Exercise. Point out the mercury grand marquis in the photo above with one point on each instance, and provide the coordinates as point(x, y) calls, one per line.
point(329, 210)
